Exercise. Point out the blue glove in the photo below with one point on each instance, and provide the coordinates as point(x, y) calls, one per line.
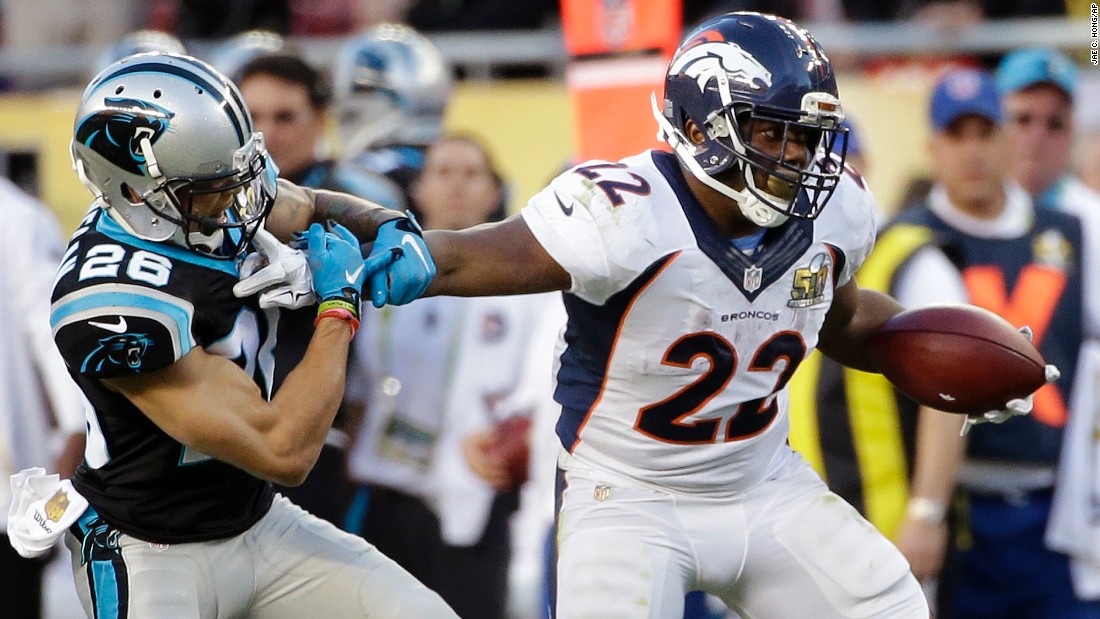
point(411, 267)
point(337, 265)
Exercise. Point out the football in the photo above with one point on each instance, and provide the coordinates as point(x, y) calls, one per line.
point(511, 443)
point(957, 358)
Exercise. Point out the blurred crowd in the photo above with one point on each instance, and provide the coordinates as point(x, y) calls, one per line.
point(28, 23)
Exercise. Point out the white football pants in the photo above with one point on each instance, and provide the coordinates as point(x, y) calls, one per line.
point(786, 548)
point(289, 565)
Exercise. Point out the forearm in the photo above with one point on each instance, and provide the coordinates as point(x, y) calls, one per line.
point(492, 259)
point(845, 335)
point(307, 402)
point(939, 454)
point(360, 216)
point(297, 207)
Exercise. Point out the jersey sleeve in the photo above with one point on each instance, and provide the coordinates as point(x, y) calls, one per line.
point(856, 214)
point(603, 245)
point(112, 330)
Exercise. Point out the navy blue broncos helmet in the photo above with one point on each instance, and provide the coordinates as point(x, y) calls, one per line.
point(739, 68)
point(166, 144)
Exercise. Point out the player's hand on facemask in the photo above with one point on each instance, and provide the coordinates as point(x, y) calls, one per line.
point(411, 269)
point(279, 273)
point(1013, 408)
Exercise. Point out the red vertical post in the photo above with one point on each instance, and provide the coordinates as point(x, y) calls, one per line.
point(618, 51)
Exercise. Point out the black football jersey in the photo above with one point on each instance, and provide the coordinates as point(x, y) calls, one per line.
point(123, 306)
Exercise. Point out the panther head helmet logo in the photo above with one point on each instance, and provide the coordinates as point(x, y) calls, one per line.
point(116, 132)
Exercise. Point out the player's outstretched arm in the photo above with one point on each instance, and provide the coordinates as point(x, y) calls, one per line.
point(297, 207)
point(854, 315)
point(492, 259)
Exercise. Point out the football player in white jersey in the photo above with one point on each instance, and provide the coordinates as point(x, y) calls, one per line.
point(695, 282)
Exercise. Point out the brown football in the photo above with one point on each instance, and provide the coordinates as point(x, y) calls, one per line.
point(511, 441)
point(957, 358)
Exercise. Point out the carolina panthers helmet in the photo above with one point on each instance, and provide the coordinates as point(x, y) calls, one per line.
point(390, 85)
point(733, 71)
point(166, 145)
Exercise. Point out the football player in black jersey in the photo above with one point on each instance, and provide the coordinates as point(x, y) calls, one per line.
point(184, 434)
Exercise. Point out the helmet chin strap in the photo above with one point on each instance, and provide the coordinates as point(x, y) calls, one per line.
point(754, 209)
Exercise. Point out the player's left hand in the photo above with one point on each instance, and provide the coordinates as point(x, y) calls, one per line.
point(1013, 408)
point(412, 268)
point(280, 274)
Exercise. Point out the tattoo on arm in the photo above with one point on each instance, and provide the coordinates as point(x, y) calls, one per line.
point(360, 216)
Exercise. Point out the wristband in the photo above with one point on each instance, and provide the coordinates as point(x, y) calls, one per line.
point(340, 309)
point(338, 303)
point(342, 314)
point(926, 510)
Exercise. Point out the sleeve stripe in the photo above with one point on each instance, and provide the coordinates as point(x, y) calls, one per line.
point(127, 300)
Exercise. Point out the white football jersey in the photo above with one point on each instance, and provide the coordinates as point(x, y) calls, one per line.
point(673, 366)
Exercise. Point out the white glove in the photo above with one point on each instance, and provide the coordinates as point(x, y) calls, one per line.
point(1013, 408)
point(281, 273)
point(42, 508)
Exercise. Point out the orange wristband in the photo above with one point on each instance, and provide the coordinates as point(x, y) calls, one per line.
point(340, 313)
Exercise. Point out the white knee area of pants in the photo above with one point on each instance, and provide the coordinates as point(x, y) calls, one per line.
point(858, 571)
point(605, 575)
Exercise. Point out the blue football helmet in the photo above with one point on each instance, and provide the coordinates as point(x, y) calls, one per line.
point(391, 85)
point(166, 145)
point(741, 68)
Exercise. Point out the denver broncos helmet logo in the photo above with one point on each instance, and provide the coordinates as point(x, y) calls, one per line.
point(125, 350)
point(116, 132)
point(704, 60)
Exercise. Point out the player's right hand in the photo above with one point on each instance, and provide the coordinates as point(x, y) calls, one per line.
point(1013, 408)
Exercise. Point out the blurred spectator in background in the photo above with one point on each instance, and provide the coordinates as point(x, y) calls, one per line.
point(235, 52)
point(391, 89)
point(1024, 263)
point(289, 99)
point(41, 410)
point(437, 484)
point(1039, 90)
point(1038, 87)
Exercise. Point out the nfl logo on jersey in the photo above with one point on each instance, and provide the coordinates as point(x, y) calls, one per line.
point(754, 276)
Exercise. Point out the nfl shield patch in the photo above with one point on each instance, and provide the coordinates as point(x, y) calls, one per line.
point(754, 275)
